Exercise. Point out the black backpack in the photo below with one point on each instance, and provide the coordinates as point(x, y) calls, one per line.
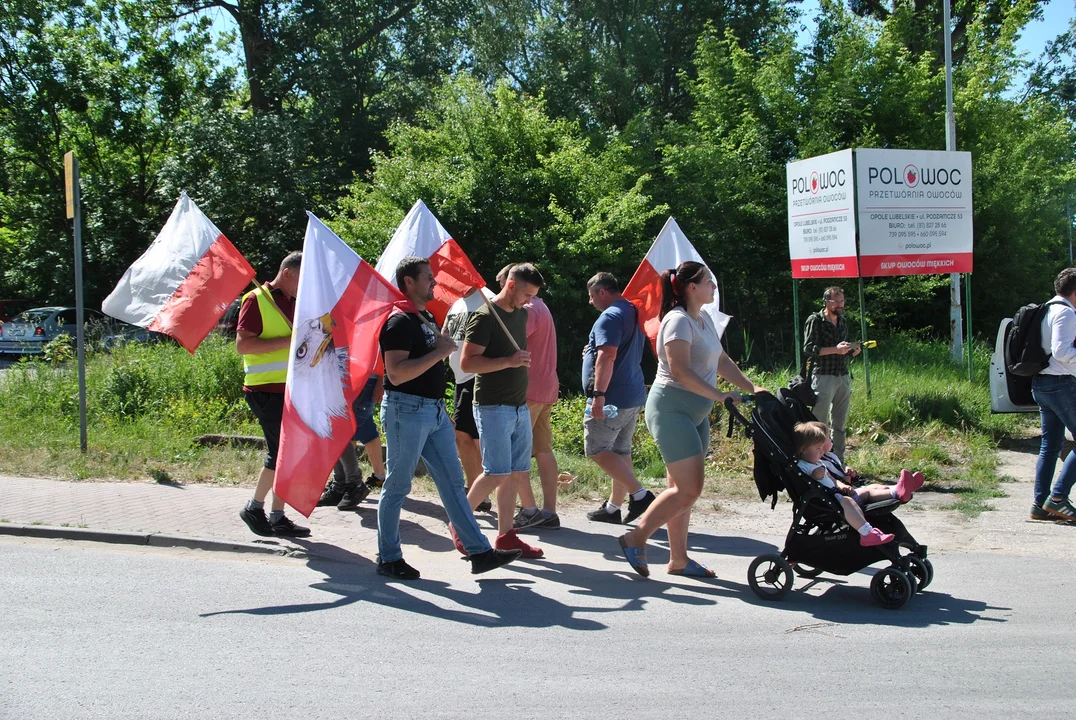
point(1024, 355)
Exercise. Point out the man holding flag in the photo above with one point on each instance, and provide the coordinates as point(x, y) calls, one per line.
point(416, 424)
point(262, 337)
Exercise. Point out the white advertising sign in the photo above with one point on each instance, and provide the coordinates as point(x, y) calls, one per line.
point(914, 212)
point(821, 220)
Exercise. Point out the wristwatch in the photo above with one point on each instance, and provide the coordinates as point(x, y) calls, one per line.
point(597, 393)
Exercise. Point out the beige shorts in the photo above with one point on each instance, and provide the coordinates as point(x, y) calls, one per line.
point(541, 427)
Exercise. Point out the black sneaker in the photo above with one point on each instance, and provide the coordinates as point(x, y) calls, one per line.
point(638, 507)
point(397, 569)
point(353, 497)
point(484, 506)
point(374, 482)
point(286, 528)
point(333, 494)
point(256, 521)
point(600, 515)
point(492, 559)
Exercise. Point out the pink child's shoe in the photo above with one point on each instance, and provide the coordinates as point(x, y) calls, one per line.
point(875, 537)
point(908, 483)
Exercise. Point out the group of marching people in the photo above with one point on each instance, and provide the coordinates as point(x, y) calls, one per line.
point(501, 349)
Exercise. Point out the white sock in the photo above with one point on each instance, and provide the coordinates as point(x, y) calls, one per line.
point(893, 490)
point(866, 529)
point(611, 508)
point(639, 495)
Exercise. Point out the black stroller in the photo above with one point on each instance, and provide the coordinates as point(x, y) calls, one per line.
point(819, 539)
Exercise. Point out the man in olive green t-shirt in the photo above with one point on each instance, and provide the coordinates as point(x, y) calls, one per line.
point(500, 398)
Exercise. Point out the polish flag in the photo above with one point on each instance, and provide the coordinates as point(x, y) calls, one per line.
point(670, 249)
point(340, 307)
point(184, 282)
point(422, 235)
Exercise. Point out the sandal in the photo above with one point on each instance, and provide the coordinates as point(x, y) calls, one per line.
point(694, 569)
point(635, 557)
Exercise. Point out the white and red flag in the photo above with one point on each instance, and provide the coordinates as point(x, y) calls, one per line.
point(422, 235)
point(670, 249)
point(184, 281)
point(340, 307)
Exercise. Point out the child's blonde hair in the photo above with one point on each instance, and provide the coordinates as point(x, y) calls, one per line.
point(808, 434)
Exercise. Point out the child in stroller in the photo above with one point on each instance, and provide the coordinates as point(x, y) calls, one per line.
point(812, 440)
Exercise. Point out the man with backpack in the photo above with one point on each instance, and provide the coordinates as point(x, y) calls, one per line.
point(1054, 390)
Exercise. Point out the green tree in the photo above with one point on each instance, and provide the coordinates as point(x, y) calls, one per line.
point(511, 184)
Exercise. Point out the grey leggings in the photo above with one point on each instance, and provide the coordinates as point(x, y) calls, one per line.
point(679, 420)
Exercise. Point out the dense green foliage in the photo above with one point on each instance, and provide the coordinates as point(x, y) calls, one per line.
point(563, 133)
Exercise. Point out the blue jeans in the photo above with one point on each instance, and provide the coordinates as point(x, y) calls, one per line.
point(419, 427)
point(1056, 396)
point(504, 436)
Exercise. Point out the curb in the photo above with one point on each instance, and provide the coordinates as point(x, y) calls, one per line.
point(147, 539)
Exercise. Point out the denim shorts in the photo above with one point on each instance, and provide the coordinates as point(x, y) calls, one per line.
point(365, 428)
point(504, 434)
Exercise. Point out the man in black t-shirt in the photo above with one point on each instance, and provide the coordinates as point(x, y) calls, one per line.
point(416, 424)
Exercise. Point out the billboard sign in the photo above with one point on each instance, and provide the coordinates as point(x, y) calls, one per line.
point(915, 212)
point(821, 221)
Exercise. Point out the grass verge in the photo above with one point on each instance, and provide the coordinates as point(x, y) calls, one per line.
point(147, 405)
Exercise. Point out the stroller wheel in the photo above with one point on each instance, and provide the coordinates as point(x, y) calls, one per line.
point(805, 571)
point(922, 570)
point(770, 576)
point(891, 588)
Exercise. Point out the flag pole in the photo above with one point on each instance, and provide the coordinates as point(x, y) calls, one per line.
point(269, 295)
point(500, 322)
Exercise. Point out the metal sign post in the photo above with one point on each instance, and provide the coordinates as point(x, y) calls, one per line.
point(74, 212)
point(796, 323)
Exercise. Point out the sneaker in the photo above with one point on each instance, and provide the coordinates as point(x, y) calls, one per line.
point(374, 482)
point(492, 559)
point(600, 515)
point(256, 521)
point(1038, 512)
point(333, 494)
point(525, 520)
point(511, 541)
point(353, 497)
point(398, 569)
point(637, 507)
point(286, 528)
point(875, 537)
point(1060, 508)
point(549, 520)
point(456, 540)
point(908, 483)
point(484, 506)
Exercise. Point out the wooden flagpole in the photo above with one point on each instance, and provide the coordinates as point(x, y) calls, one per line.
point(269, 295)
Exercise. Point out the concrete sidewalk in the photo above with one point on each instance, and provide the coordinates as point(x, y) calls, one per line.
point(199, 513)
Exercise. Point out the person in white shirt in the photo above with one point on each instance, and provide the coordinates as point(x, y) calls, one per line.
point(463, 417)
point(1054, 389)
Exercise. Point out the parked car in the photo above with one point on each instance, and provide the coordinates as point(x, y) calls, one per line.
point(30, 331)
point(1008, 393)
point(230, 319)
point(1011, 393)
point(12, 307)
point(123, 333)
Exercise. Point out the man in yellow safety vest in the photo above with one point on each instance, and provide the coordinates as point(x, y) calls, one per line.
point(263, 338)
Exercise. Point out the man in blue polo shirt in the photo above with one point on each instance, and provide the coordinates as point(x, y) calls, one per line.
point(613, 375)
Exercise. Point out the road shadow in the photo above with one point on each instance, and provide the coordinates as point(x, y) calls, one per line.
point(500, 602)
point(847, 601)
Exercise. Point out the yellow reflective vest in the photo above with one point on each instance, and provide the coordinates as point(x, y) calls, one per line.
point(269, 368)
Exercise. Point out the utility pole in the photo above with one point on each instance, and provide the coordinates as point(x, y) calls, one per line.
point(956, 322)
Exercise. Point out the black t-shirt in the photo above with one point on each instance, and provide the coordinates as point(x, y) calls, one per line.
point(404, 331)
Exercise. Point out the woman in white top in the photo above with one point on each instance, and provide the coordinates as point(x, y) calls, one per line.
point(690, 358)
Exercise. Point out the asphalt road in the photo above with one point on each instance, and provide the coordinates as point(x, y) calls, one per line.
point(94, 631)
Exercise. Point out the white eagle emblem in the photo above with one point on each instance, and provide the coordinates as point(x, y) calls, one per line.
point(319, 376)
